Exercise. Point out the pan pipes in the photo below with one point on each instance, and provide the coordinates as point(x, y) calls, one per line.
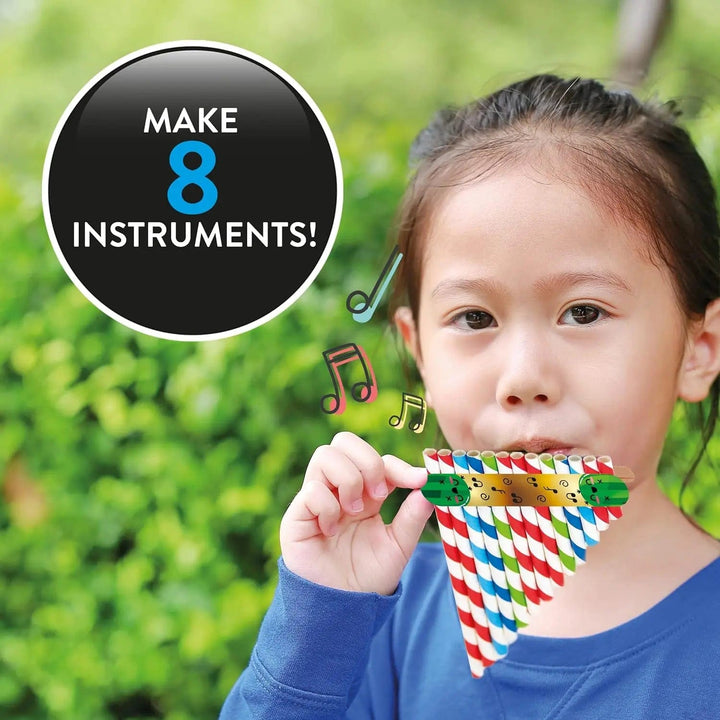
point(513, 525)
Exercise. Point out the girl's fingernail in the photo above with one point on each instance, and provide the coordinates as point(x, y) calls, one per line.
point(380, 491)
point(332, 530)
point(357, 506)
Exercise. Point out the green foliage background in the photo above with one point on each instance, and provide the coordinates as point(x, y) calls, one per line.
point(143, 479)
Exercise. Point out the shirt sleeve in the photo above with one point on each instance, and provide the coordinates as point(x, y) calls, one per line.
point(311, 654)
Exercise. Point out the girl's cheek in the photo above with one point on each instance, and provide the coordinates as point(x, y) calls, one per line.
point(454, 391)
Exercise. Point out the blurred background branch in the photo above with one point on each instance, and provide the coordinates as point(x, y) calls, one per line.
point(641, 27)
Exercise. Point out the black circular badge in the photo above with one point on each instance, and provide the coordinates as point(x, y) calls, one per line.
point(192, 190)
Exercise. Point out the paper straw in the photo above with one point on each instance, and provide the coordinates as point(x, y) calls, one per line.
point(519, 539)
point(572, 515)
point(476, 569)
point(478, 647)
point(543, 575)
point(587, 516)
point(558, 568)
point(486, 524)
point(559, 521)
point(518, 596)
point(504, 560)
point(605, 465)
point(496, 598)
point(602, 516)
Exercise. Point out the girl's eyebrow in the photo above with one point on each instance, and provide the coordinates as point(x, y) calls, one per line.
point(549, 283)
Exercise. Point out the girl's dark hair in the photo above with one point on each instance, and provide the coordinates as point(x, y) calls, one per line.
point(629, 157)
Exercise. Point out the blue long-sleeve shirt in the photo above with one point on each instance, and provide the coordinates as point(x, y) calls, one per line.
point(325, 654)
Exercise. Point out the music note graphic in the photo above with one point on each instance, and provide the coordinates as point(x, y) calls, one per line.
point(417, 424)
point(365, 309)
point(363, 391)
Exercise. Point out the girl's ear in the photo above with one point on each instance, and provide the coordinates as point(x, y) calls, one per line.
point(405, 323)
point(701, 363)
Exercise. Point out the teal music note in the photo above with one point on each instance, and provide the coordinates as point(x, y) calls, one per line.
point(417, 424)
point(365, 309)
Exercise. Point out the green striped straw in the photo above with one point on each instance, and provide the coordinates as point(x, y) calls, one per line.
point(507, 547)
point(559, 522)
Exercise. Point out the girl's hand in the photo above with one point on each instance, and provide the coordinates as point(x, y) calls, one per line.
point(332, 532)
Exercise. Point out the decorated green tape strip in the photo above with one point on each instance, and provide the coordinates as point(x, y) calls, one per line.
point(574, 490)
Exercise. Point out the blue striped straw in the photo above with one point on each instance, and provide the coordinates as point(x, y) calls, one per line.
point(505, 546)
point(498, 634)
point(590, 528)
point(481, 519)
point(572, 516)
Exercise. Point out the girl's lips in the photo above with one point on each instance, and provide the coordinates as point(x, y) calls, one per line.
point(541, 445)
point(561, 451)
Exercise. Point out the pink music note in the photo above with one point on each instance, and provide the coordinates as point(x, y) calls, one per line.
point(410, 401)
point(364, 391)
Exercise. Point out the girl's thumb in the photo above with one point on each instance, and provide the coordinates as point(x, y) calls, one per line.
point(410, 520)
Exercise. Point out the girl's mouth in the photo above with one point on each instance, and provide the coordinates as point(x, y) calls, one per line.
point(543, 445)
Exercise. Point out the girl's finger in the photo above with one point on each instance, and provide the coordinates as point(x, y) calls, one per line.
point(366, 459)
point(402, 474)
point(314, 507)
point(333, 468)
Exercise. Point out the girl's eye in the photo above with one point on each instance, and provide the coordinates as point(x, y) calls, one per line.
point(473, 320)
point(584, 314)
point(575, 315)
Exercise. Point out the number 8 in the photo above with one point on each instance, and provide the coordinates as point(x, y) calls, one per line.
point(196, 176)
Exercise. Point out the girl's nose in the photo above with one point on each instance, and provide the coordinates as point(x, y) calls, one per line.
point(528, 374)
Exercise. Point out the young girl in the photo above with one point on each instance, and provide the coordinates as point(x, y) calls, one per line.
point(561, 290)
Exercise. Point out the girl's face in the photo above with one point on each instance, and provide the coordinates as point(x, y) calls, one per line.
point(542, 328)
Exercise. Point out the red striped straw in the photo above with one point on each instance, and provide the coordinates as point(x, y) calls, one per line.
point(478, 646)
point(471, 571)
point(498, 611)
point(543, 575)
point(605, 465)
point(459, 588)
point(552, 554)
point(602, 516)
point(519, 538)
